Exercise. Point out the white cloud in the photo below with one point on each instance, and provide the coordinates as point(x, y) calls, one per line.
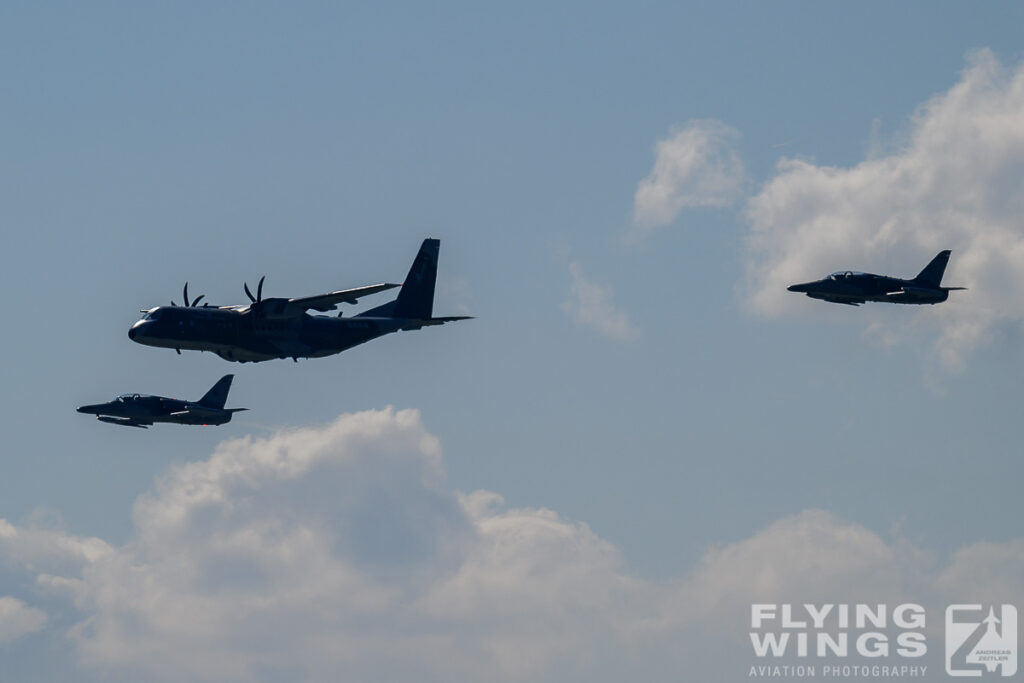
point(958, 184)
point(591, 304)
point(985, 572)
point(696, 165)
point(18, 619)
point(340, 553)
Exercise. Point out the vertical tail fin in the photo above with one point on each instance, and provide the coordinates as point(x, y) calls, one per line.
point(416, 297)
point(932, 273)
point(217, 396)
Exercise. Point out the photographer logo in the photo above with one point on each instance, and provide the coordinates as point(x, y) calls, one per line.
point(980, 641)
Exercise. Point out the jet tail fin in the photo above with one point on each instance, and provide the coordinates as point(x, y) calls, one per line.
point(416, 297)
point(217, 396)
point(931, 276)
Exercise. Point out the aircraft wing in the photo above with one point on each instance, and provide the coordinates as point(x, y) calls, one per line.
point(196, 410)
point(329, 301)
point(910, 293)
point(849, 301)
point(123, 421)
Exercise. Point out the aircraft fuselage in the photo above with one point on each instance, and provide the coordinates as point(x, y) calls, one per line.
point(856, 288)
point(248, 336)
point(142, 409)
point(276, 327)
point(849, 287)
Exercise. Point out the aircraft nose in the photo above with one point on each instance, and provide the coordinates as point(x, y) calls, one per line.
point(85, 409)
point(133, 331)
point(797, 288)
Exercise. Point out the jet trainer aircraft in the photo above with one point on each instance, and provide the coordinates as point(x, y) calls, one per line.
point(265, 329)
point(141, 410)
point(847, 287)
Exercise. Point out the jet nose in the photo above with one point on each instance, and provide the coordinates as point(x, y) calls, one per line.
point(797, 288)
point(85, 409)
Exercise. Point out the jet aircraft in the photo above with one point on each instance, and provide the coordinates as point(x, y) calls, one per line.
point(847, 287)
point(141, 410)
point(270, 328)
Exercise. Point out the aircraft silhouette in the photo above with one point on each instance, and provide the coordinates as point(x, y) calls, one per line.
point(142, 410)
point(848, 287)
point(265, 329)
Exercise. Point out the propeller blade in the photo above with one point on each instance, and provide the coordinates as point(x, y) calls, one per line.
point(184, 294)
point(172, 303)
point(196, 300)
point(259, 289)
point(245, 285)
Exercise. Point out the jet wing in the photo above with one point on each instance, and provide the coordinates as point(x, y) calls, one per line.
point(848, 300)
point(123, 421)
point(196, 410)
point(911, 293)
point(330, 301)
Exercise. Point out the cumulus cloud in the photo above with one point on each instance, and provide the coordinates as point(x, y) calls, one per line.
point(340, 553)
point(697, 165)
point(591, 304)
point(958, 183)
point(18, 619)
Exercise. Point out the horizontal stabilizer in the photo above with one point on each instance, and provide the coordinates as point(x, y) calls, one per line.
point(446, 319)
point(417, 324)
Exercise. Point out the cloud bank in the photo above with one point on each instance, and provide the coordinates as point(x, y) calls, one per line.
point(697, 165)
point(339, 553)
point(958, 183)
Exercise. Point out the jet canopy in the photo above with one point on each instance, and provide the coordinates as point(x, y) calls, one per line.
point(128, 397)
point(843, 274)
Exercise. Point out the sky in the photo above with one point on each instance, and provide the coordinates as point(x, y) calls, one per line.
point(640, 434)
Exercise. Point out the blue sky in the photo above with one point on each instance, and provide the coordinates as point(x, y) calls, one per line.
point(646, 381)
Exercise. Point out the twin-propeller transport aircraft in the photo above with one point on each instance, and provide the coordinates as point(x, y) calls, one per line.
point(141, 410)
point(265, 329)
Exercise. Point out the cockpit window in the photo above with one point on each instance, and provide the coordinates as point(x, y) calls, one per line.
point(153, 315)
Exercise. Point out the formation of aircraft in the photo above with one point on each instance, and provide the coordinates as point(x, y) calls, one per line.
point(142, 410)
point(265, 329)
point(848, 287)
